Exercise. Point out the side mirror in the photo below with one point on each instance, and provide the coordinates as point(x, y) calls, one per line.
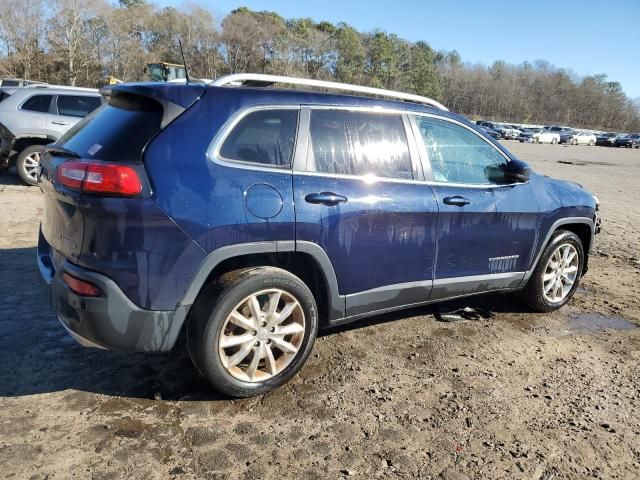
point(516, 171)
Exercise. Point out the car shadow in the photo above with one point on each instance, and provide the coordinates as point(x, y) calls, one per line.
point(38, 356)
point(10, 178)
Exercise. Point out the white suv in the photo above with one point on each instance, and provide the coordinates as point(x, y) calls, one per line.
point(31, 117)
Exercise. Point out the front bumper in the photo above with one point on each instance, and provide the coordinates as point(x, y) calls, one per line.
point(110, 321)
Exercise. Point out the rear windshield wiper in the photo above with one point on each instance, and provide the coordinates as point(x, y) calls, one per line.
point(56, 150)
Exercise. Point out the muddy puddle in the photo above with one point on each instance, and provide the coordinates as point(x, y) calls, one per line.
point(588, 323)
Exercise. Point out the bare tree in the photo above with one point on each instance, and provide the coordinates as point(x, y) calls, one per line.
point(21, 33)
point(70, 29)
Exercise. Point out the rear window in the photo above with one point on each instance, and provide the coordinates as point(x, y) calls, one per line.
point(10, 83)
point(117, 131)
point(77, 105)
point(265, 137)
point(37, 103)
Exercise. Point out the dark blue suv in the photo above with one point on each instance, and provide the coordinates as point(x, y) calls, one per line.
point(248, 217)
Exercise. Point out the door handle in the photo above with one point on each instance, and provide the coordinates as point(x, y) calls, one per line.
point(59, 122)
point(457, 200)
point(325, 198)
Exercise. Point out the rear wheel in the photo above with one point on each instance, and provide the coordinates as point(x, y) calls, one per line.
point(252, 330)
point(28, 164)
point(554, 141)
point(557, 275)
point(591, 143)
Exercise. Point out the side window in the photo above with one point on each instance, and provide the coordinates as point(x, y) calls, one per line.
point(358, 143)
point(77, 105)
point(264, 136)
point(458, 155)
point(37, 103)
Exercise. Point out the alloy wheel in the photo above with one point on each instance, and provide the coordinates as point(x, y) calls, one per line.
point(560, 273)
point(262, 335)
point(31, 164)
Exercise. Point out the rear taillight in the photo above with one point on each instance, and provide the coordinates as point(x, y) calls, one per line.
point(81, 287)
point(100, 178)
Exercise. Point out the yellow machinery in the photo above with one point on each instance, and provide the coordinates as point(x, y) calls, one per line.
point(158, 72)
point(164, 71)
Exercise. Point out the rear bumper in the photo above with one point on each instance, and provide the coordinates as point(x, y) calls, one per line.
point(110, 321)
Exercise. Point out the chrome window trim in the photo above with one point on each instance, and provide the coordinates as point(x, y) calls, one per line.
point(363, 178)
point(301, 145)
point(213, 151)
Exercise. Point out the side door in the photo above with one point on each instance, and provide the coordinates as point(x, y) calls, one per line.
point(69, 110)
point(359, 197)
point(485, 229)
point(34, 112)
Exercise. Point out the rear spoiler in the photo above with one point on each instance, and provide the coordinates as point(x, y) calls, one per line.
point(174, 98)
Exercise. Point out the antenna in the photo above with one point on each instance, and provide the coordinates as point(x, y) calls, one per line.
point(184, 62)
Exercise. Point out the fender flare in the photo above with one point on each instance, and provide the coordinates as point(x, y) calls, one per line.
point(215, 258)
point(558, 223)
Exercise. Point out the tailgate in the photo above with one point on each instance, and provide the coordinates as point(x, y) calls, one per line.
point(62, 220)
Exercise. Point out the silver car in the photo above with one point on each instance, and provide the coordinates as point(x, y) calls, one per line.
point(31, 117)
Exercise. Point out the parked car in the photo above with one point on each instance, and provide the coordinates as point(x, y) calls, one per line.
point(606, 139)
point(252, 217)
point(546, 136)
point(583, 138)
point(632, 140)
point(485, 123)
point(509, 132)
point(567, 135)
point(492, 132)
point(526, 135)
point(31, 117)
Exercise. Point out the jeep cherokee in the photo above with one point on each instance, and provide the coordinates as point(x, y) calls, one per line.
point(249, 217)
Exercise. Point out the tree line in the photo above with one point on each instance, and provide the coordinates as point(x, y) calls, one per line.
point(82, 42)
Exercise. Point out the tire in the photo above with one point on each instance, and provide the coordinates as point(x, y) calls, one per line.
point(591, 143)
point(554, 141)
point(211, 322)
point(27, 164)
point(534, 293)
point(634, 145)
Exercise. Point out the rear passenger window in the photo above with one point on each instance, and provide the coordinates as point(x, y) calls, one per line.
point(77, 105)
point(457, 155)
point(265, 137)
point(37, 103)
point(358, 143)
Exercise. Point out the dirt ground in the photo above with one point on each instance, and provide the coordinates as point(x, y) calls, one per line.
point(524, 395)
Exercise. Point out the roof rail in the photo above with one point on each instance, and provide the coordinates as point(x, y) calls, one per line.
point(259, 79)
point(62, 87)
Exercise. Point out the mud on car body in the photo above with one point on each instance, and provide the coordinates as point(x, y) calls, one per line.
point(248, 217)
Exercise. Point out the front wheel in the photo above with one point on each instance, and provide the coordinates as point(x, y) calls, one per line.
point(252, 330)
point(591, 143)
point(554, 141)
point(28, 164)
point(557, 275)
